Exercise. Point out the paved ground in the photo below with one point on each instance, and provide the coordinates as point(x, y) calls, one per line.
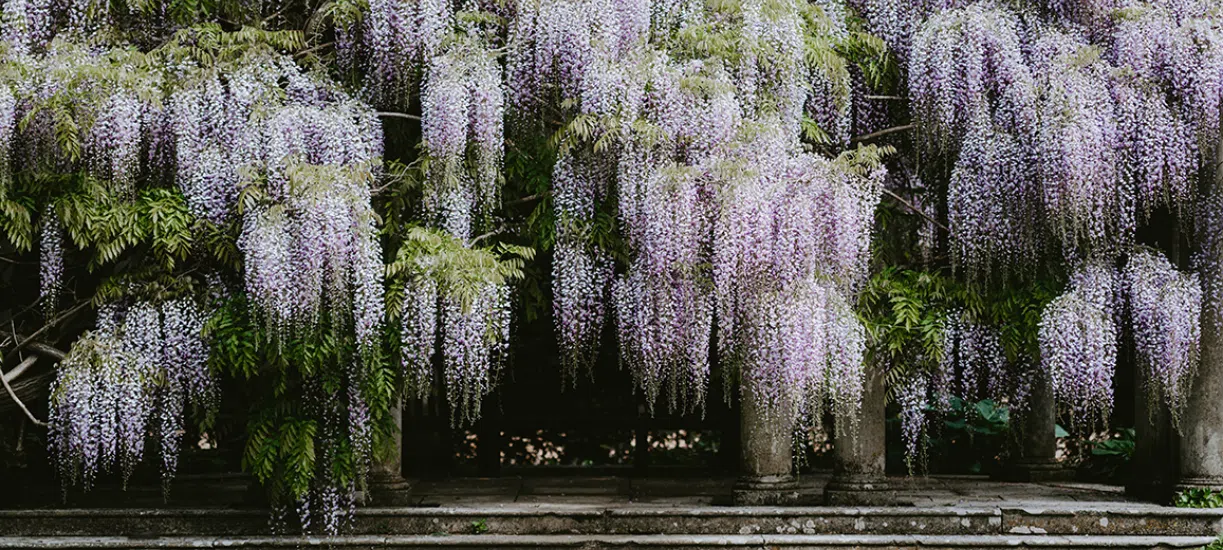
point(960, 491)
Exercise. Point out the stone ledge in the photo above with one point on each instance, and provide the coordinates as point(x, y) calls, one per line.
point(520, 519)
point(613, 541)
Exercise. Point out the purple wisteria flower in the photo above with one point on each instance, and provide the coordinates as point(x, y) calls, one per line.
point(1078, 343)
point(1165, 315)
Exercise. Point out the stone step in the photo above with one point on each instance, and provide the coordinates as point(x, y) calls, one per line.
point(512, 519)
point(686, 542)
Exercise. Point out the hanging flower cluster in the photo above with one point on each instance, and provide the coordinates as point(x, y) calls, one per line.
point(895, 20)
point(400, 36)
point(1079, 134)
point(1168, 96)
point(790, 246)
point(312, 249)
point(79, 115)
point(912, 398)
point(213, 141)
point(993, 204)
point(571, 49)
point(1180, 49)
point(51, 261)
point(8, 126)
point(1208, 259)
point(1079, 333)
point(27, 24)
point(1166, 308)
point(581, 272)
point(463, 112)
point(1050, 132)
point(966, 67)
point(673, 134)
point(1078, 342)
point(664, 310)
point(974, 96)
point(131, 377)
point(298, 154)
point(458, 298)
point(970, 365)
point(475, 340)
point(972, 360)
point(1087, 208)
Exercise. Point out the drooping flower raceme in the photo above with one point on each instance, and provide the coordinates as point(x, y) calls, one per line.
point(51, 260)
point(131, 376)
point(1167, 95)
point(1078, 343)
point(895, 20)
point(912, 398)
point(456, 305)
point(27, 24)
point(8, 123)
point(400, 36)
point(964, 61)
point(974, 99)
point(475, 340)
point(418, 333)
point(972, 356)
point(994, 204)
point(1166, 309)
point(463, 111)
point(314, 249)
point(789, 247)
point(663, 303)
point(117, 137)
point(1180, 52)
point(581, 272)
point(1076, 136)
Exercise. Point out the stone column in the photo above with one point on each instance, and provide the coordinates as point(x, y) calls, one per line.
point(1034, 457)
point(387, 487)
point(859, 456)
point(1152, 470)
point(765, 455)
point(1201, 444)
point(1201, 449)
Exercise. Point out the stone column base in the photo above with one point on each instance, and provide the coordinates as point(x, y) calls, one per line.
point(388, 491)
point(768, 491)
point(1214, 483)
point(859, 491)
point(1036, 471)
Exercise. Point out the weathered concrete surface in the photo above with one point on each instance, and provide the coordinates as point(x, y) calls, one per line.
point(765, 456)
point(860, 454)
point(592, 520)
point(1034, 457)
point(691, 542)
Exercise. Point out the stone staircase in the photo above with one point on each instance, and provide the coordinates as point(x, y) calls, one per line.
point(515, 526)
point(957, 513)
